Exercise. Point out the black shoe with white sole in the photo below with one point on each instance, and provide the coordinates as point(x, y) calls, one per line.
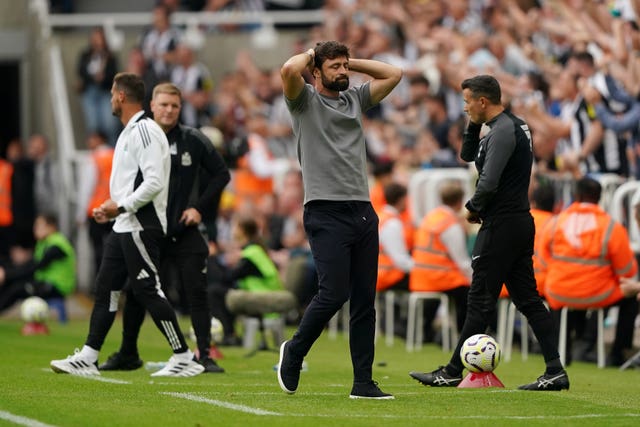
point(289, 368)
point(438, 378)
point(548, 382)
point(369, 390)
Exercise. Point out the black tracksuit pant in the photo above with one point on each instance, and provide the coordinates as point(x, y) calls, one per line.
point(184, 265)
point(502, 254)
point(344, 242)
point(134, 256)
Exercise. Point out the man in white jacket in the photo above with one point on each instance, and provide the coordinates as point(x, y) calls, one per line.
point(139, 186)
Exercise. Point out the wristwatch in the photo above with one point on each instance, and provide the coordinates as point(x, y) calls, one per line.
point(121, 210)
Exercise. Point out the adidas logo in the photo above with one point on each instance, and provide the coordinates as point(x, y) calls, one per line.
point(142, 275)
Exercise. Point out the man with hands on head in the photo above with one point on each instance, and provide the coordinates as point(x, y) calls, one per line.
point(338, 216)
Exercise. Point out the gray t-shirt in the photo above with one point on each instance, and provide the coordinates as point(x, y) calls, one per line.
point(330, 142)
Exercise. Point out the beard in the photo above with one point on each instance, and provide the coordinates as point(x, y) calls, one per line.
point(116, 111)
point(337, 85)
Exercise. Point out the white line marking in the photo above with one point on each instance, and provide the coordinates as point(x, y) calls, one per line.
point(94, 377)
point(220, 403)
point(23, 421)
point(257, 411)
point(105, 380)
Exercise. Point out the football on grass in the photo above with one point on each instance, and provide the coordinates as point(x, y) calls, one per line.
point(217, 331)
point(480, 353)
point(34, 309)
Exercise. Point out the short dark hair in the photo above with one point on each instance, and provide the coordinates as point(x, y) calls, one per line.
point(49, 218)
point(329, 50)
point(382, 167)
point(484, 85)
point(544, 197)
point(393, 192)
point(249, 227)
point(588, 190)
point(132, 85)
point(584, 56)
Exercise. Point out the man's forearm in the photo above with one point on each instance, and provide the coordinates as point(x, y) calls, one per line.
point(298, 63)
point(375, 69)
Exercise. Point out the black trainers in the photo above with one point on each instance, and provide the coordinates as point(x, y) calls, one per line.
point(438, 378)
point(547, 382)
point(210, 365)
point(119, 362)
point(288, 370)
point(369, 390)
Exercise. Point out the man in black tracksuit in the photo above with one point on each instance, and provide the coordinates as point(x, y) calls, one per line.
point(504, 246)
point(185, 250)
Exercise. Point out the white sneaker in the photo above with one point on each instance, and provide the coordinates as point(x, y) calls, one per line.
point(180, 367)
point(75, 365)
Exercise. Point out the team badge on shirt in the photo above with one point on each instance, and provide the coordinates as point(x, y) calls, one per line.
point(186, 159)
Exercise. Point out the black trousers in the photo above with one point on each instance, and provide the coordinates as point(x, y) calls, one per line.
point(134, 257)
point(344, 242)
point(183, 263)
point(98, 233)
point(502, 254)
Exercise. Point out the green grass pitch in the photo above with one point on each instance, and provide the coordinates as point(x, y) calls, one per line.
point(248, 393)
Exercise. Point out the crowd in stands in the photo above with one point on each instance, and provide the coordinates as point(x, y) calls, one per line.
point(570, 68)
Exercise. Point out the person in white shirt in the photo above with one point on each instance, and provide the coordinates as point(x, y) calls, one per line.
point(138, 187)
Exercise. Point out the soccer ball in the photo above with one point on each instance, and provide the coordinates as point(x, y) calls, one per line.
point(217, 331)
point(34, 309)
point(480, 353)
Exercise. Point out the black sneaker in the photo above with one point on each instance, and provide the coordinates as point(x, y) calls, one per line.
point(210, 365)
point(288, 370)
point(369, 390)
point(438, 378)
point(119, 362)
point(547, 382)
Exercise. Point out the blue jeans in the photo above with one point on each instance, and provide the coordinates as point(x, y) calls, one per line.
point(96, 104)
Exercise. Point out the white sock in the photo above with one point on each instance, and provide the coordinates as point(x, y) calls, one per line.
point(186, 356)
point(89, 353)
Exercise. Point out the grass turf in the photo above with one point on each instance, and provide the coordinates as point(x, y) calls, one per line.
point(248, 393)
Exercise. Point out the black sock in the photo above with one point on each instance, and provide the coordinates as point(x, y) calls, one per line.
point(554, 367)
point(453, 370)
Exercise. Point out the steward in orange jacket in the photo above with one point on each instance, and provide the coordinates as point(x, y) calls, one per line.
point(586, 253)
point(435, 270)
point(6, 173)
point(394, 259)
point(442, 263)
point(102, 157)
point(253, 177)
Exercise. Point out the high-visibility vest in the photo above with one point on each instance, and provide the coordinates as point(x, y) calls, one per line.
point(540, 219)
point(434, 269)
point(103, 160)
point(270, 279)
point(247, 185)
point(388, 273)
point(378, 201)
point(6, 174)
point(376, 195)
point(586, 253)
point(60, 273)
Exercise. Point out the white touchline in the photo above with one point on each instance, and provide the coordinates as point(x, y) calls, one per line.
point(104, 380)
point(20, 420)
point(220, 403)
point(95, 378)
